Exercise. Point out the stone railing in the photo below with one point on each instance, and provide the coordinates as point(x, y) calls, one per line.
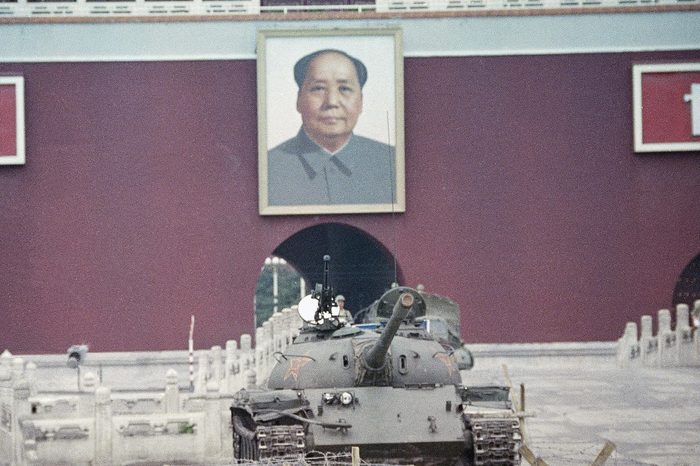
point(89, 422)
point(67, 9)
point(679, 346)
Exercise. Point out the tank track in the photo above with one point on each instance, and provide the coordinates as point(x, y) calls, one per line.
point(496, 440)
point(270, 443)
point(282, 441)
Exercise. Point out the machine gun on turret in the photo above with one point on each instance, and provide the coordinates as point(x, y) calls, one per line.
point(323, 293)
point(319, 308)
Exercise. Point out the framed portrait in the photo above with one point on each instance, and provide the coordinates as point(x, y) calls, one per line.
point(330, 121)
point(666, 98)
point(11, 120)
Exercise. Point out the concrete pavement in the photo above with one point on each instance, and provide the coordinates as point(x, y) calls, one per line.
point(578, 396)
point(579, 401)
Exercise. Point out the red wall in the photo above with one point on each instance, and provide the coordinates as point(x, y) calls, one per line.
point(137, 206)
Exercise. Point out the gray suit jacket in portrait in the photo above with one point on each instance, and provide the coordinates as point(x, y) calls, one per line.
point(302, 173)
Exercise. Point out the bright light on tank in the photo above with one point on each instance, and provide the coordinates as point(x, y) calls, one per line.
point(328, 398)
point(307, 309)
point(346, 398)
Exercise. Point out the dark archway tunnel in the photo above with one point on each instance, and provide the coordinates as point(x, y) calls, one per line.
point(361, 267)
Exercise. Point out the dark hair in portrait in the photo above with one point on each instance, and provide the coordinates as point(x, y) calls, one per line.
point(302, 66)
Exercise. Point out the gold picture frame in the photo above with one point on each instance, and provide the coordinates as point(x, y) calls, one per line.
point(297, 174)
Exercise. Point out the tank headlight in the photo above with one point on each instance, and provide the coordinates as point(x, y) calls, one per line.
point(329, 398)
point(346, 398)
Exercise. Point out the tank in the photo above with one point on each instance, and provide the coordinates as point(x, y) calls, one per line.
point(392, 390)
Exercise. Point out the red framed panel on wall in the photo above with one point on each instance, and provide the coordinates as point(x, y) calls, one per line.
point(666, 107)
point(11, 120)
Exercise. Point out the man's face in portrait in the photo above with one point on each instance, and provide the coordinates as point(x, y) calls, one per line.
point(330, 100)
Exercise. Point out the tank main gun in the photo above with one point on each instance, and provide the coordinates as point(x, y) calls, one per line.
point(374, 358)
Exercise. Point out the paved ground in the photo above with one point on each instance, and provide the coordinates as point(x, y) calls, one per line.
point(652, 415)
point(578, 396)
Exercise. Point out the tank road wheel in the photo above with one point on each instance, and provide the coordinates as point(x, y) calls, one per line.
point(465, 459)
point(467, 456)
point(244, 443)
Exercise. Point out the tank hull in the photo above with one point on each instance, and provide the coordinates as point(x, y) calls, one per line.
point(384, 416)
point(385, 423)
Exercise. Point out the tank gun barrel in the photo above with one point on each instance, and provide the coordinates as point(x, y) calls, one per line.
point(376, 356)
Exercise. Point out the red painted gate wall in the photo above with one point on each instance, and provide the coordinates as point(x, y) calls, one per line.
point(137, 206)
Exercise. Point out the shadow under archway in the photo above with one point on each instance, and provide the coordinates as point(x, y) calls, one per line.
point(688, 285)
point(361, 267)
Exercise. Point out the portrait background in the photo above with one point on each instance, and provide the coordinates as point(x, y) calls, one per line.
point(381, 118)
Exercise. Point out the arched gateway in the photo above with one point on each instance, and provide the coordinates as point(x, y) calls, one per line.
point(688, 285)
point(361, 267)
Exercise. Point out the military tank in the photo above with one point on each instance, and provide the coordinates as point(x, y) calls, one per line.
point(393, 391)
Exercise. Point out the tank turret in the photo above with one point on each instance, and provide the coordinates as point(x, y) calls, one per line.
point(438, 315)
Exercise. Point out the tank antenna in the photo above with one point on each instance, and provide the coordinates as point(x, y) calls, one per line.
point(392, 180)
